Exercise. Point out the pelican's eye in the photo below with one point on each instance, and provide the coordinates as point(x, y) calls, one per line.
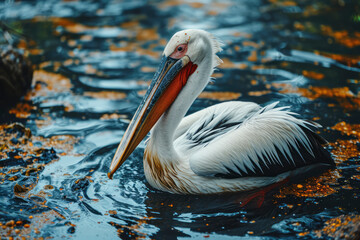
point(179, 51)
point(181, 48)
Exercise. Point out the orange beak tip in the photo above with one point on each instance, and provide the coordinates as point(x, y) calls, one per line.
point(110, 176)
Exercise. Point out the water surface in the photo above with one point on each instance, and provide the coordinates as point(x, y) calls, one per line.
point(93, 60)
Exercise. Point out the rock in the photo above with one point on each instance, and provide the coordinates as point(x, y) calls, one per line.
point(15, 75)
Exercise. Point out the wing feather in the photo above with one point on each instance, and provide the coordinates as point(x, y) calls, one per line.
point(237, 139)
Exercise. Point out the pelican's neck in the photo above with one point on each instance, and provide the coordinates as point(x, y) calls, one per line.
point(162, 134)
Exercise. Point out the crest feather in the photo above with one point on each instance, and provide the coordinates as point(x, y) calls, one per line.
point(216, 45)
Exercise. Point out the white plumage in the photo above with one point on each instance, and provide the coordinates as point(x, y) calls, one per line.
point(231, 146)
point(252, 135)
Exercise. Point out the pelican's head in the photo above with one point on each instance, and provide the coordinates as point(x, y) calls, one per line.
point(194, 43)
point(186, 52)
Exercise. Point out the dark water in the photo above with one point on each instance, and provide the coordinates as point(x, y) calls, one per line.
point(92, 60)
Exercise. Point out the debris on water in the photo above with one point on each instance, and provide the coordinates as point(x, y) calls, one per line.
point(21, 163)
point(19, 129)
point(80, 184)
point(342, 227)
point(20, 189)
point(18, 148)
point(321, 186)
point(71, 230)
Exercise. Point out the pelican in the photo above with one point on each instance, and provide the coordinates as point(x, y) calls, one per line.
point(229, 147)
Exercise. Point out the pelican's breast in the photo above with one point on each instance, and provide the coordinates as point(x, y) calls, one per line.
point(164, 175)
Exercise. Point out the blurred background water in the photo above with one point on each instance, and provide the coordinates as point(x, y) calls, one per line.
point(93, 61)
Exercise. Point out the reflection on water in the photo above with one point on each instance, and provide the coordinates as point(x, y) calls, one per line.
point(93, 60)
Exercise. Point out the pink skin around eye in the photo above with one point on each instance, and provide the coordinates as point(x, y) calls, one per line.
point(179, 51)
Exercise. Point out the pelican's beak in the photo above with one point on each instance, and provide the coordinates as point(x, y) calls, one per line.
point(168, 81)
